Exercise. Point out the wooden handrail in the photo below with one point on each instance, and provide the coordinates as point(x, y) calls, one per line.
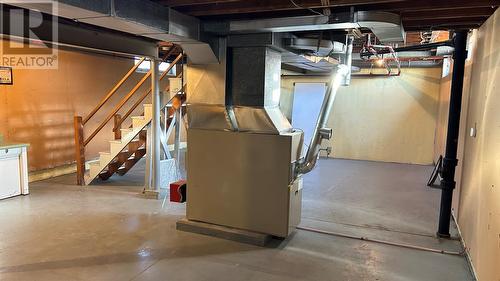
point(113, 91)
point(170, 52)
point(174, 62)
point(146, 93)
point(136, 104)
point(118, 107)
point(79, 122)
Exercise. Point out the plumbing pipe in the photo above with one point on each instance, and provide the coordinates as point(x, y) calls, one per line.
point(408, 246)
point(421, 47)
point(466, 250)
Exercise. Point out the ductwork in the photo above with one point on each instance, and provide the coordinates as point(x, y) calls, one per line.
point(321, 132)
point(250, 99)
point(386, 26)
point(302, 53)
point(138, 17)
point(348, 60)
point(311, 54)
point(321, 48)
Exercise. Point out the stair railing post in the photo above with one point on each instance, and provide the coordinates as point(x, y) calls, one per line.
point(152, 189)
point(79, 151)
point(117, 126)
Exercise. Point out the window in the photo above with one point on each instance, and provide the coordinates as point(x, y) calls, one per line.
point(145, 66)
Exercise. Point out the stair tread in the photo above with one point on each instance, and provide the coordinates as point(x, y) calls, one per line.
point(127, 152)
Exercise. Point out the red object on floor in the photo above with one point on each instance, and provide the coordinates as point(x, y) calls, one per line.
point(178, 191)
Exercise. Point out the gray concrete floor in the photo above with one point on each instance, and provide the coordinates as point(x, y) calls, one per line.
point(108, 232)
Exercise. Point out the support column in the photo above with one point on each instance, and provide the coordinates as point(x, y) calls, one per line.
point(177, 137)
point(152, 189)
point(178, 122)
point(450, 159)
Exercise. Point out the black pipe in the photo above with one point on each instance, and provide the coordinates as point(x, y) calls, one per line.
point(422, 47)
point(450, 160)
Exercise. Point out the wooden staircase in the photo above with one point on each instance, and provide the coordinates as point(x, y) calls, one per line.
point(123, 153)
point(129, 145)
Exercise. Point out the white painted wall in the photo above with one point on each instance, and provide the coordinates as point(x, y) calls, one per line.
point(390, 119)
point(479, 205)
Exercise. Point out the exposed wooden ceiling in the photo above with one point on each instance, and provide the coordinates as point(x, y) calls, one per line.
point(417, 15)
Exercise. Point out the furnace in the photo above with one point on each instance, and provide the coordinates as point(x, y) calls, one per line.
point(245, 161)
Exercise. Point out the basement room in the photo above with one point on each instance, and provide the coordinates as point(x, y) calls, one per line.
point(345, 140)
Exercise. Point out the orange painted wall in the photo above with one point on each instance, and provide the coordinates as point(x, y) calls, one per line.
point(39, 107)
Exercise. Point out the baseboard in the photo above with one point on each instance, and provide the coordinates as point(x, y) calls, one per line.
point(51, 173)
point(376, 161)
point(467, 253)
point(70, 168)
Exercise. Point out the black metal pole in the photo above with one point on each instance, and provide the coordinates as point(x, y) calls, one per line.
point(450, 158)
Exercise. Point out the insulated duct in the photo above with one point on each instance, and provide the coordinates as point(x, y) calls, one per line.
point(310, 45)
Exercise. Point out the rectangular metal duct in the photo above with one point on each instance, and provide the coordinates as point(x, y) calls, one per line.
point(255, 79)
point(250, 76)
point(138, 17)
point(386, 26)
point(71, 35)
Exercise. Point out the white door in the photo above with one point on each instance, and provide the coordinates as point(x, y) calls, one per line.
point(307, 101)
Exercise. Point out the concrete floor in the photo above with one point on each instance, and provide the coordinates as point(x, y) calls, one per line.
point(108, 232)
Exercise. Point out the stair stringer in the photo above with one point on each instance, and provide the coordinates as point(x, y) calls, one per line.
point(116, 146)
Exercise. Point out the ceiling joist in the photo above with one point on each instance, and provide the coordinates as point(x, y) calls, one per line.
point(416, 15)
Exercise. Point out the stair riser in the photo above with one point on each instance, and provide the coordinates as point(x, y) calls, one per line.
point(94, 171)
point(148, 112)
point(116, 148)
point(138, 123)
point(126, 132)
point(105, 158)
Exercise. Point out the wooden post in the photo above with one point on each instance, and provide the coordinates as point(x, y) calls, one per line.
point(79, 151)
point(117, 126)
